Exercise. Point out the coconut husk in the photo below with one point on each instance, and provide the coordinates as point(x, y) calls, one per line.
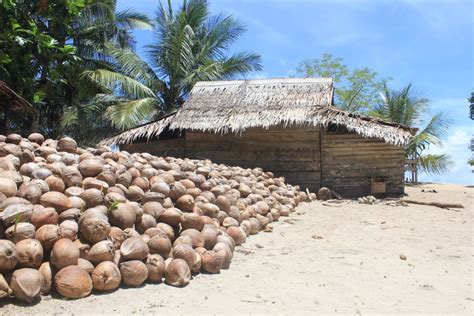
point(106, 276)
point(26, 284)
point(73, 282)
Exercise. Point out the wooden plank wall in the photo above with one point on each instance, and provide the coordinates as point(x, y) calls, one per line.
point(165, 147)
point(349, 161)
point(347, 165)
point(289, 152)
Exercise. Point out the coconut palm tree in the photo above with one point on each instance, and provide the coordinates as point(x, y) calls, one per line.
point(190, 45)
point(98, 33)
point(404, 108)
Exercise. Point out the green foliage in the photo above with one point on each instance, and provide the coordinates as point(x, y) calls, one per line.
point(404, 108)
point(190, 45)
point(48, 48)
point(471, 162)
point(355, 89)
point(17, 220)
point(114, 206)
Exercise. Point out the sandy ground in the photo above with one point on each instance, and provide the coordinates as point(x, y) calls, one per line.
point(324, 259)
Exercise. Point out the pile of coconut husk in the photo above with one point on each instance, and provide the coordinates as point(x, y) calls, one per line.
point(74, 220)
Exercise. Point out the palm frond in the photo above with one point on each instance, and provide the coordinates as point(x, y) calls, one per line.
point(133, 20)
point(122, 83)
point(435, 163)
point(133, 112)
point(240, 63)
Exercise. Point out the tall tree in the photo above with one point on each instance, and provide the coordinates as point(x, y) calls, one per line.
point(405, 108)
point(190, 45)
point(355, 89)
point(45, 46)
point(29, 48)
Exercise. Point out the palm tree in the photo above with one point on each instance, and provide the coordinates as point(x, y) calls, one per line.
point(404, 108)
point(190, 45)
point(99, 32)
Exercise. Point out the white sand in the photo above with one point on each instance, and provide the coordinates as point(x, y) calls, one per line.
point(354, 268)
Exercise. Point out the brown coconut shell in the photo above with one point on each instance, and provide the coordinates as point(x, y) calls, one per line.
point(167, 229)
point(145, 222)
point(101, 251)
point(237, 234)
point(211, 261)
point(156, 268)
point(29, 253)
point(30, 192)
point(64, 253)
point(176, 191)
point(209, 234)
point(85, 265)
point(92, 197)
point(5, 290)
point(69, 229)
point(185, 203)
point(83, 248)
point(171, 216)
point(55, 183)
point(73, 282)
point(67, 144)
point(71, 177)
point(134, 272)
point(160, 245)
point(46, 271)
point(44, 215)
point(185, 252)
point(94, 228)
point(192, 220)
point(8, 255)
point(47, 234)
point(134, 248)
point(20, 232)
point(196, 236)
point(8, 187)
point(224, 250)
point(154, 209)
point(209, 209)
point(90, 167)
point(177, 273)
point(116, 236)
point(26, 284)
point(56, 200)
point(186, 240)
point(106, 276)
point(123, 216)
point(16, 212)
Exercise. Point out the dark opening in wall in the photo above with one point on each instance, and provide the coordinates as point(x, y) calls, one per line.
point(333, 128)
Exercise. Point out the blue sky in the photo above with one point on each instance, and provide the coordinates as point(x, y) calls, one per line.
point(426, 42)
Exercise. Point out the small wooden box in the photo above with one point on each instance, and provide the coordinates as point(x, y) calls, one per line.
point(378, 186)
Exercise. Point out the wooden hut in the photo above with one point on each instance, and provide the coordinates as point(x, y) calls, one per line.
point(287, 126)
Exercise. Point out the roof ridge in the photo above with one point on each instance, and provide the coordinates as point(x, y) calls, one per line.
point(263, 81)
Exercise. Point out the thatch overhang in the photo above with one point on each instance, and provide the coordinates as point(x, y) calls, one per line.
point(147, 130)
point(16, 103)
point(235, 106)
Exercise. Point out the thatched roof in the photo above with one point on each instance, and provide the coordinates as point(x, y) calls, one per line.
point(234, 106)
point(147, 130)
point(16, 102)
